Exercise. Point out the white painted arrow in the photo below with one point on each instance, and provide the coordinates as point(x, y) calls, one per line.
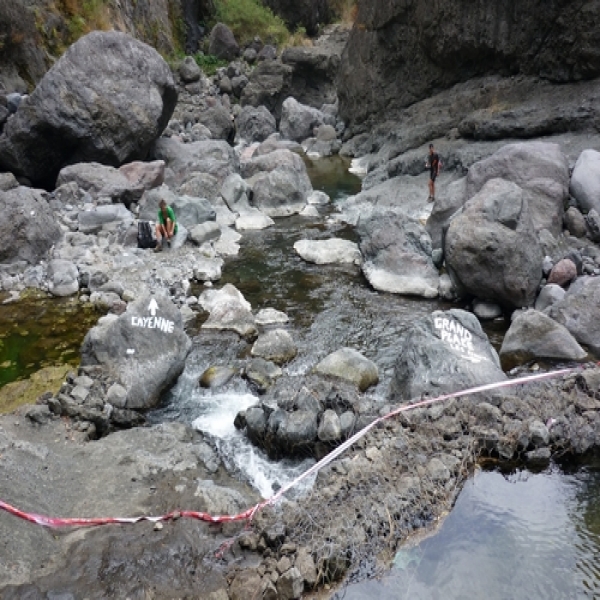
point(152, 307)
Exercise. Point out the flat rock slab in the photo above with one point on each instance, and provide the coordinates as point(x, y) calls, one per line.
point(331, 251)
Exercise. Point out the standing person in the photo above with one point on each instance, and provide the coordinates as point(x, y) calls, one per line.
point(433, 164)
point(166, 226)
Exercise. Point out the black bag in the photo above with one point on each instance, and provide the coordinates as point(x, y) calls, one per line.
point(144, 237)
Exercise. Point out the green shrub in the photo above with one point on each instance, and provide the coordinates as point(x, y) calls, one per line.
point(249, 18)
point(208, 63)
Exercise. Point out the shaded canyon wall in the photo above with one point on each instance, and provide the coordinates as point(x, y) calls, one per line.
point(402, 51)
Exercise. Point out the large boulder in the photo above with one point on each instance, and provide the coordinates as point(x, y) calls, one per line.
point(219, 122)
point(299, 122)
point(63, 278)
point(540, 169)
point(268, 85)
point(215, 158)
point(491, 249)
point(585, 181)
point(532, 335)
point(578, 311)
point(92, 221)
point(255, 124)
point(102, 182)
point(276, 346)
point(442, 353)
point(29, 228)
point(281, 192)
point(107, 99)
point(396, 254)
point(229, 310)
point(144, 349)
point(222, 43)
point(448, 202)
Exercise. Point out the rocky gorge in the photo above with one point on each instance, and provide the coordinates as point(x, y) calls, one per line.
point(513, 234)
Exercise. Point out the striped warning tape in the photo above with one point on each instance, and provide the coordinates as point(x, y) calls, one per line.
point(248, 514)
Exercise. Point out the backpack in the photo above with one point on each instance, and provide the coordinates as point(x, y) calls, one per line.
point(144, 236)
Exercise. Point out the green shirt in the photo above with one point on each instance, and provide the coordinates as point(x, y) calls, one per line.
point(170, 215)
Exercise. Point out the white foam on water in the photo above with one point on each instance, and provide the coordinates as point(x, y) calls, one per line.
point(238, 454)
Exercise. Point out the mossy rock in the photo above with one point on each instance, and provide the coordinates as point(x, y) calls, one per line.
point(27, 391)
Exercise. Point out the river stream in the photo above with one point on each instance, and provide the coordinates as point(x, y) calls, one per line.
point(521, 535)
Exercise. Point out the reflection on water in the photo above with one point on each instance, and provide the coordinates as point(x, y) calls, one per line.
point(520, 536)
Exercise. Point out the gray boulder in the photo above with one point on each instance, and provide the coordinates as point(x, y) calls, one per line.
point(146, 175)
point(549, 295)
point(448, 202)
point(592, 220)
point(276, 346)
point(63, 278)
point(255, 124)
point(350, 365)
point(532, 335)
point(8, 182)
point(102, 182)
point(326, 252)
point(219, 121)
point(269, 85)
point(144, 349)
point(208, 269)
point(236, 193)
point(201, 185)
point(186, 161)
point(486, 311)
point(228, 311)
point(262, 373)
point(578, 311)
point(330, 427)
point(397, 255)
point(575, 222)
point(275, 158)
point(491, 249)
point(92, 221)
point(296, 432)
point(281, 192)
point(442, 353)
point(193, 211)
point(189, 71)
point(31, 229)
point(252, 219)
point(107, 99)
point(222, 43)
point(585, 181)
point(298, 122)
point(205, 232)
point(540, 169)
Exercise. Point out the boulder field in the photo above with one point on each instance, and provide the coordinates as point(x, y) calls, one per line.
point(513, 234)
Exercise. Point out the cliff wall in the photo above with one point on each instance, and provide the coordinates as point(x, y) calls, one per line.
point(403, 51)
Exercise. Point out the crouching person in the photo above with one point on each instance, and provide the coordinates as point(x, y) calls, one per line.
point(166, 226)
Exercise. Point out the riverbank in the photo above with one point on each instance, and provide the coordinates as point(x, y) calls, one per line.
point(401, 477)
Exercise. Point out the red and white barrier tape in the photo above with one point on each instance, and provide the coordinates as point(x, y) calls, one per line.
point(249, 514)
